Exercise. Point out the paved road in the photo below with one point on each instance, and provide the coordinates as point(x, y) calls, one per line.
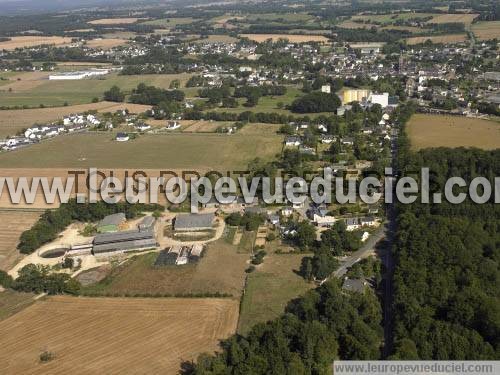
point(365, 251)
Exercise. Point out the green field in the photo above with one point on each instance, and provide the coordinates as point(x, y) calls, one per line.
point(276, 17)
point(389, 19)
point(169, 22)
point(57, 93)
point(268, 103)
point(174, 151)
point(270, 288)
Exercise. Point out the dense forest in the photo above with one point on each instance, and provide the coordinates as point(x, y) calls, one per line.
point(447, 277)
point(325, 324)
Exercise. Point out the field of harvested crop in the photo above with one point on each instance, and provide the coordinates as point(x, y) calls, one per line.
point(438, 39)
point(13, 121)
point(12, 224)
point(486, 30)
point(57, 93)
point(270, 288)
point(100, 335)
point(106, 43)
point(454, 18)
point(220, 270)
point(169, 151)
point(31, 41)
point(427, 131)
point(259, 38)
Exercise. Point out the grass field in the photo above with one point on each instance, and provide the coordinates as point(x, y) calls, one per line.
point(12, 224)
point(280, 17)
point(438, 39)
point(170, 151)
point(259, 38)
point(486, 30)
point(114, 21)
point(427, 131)
point(218, 39)
point(112, 336)
point(13, 121)
point(270, 288)
point(57, 93)
point(268, 103)
point(169, 22)
point(12, 302)
point(140, 276)
point(31, 41)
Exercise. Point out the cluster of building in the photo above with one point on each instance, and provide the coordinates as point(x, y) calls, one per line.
point(34, 134)
point(179, 255)
point(112, 240)
point(72, 76)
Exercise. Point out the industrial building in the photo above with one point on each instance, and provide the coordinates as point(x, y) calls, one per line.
point(124, 241)
point(72, 76)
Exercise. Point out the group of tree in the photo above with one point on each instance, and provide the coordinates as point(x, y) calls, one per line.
point(316, 102)
point(249, 221)
point(151, 95)
point(37, 279)
point(323, 325)
point(114, 94)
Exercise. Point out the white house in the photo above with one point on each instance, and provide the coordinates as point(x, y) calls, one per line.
point(122, 137)
point(173, 125)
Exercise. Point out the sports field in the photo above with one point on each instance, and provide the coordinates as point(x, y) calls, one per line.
point(427, 131)
point(13, 121)
point(113, 336)
point(12, 224)
point(170, 151)
point(57, 93)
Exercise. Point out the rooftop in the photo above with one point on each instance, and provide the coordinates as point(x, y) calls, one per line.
point(115, 219)
point(194, 221)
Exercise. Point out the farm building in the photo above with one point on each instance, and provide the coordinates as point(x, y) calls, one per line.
point(111, 223)
point(193, 222)
point(123, 241)
point(147, 224)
